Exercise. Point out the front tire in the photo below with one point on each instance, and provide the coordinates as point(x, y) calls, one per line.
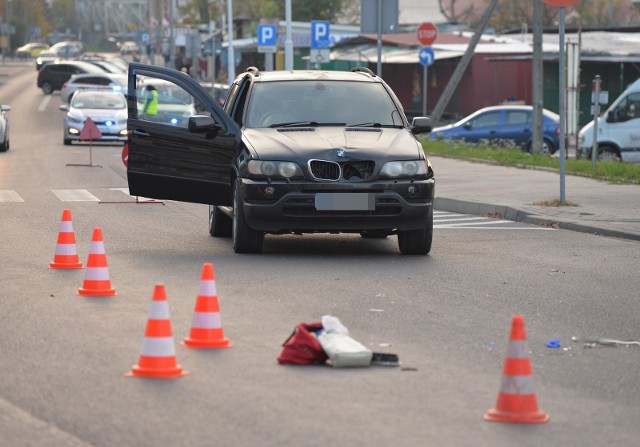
point(220, 225)
point(245, 240)
point(47, 88)
point(417, 242)
point(608, 153)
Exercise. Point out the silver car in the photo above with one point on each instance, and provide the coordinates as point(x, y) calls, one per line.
point(94, 81)
point(106, 108)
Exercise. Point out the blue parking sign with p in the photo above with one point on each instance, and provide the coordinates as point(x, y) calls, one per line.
point(267, 35)
point(320, 34)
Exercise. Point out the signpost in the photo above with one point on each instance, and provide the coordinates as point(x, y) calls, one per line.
point(426, 34)
point(320, 42)
point(562, 4)
point(89, 132)
point(267, 43)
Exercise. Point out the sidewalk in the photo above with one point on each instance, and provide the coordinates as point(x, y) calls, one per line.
point(479, 189)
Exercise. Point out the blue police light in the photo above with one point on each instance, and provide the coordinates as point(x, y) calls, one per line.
point(174, 120)
point(109, 123)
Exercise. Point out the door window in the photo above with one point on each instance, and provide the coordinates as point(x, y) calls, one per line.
point(629, 108)
point(486, 120)
point(170, 104)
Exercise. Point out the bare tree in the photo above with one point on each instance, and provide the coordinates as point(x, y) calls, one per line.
point(458, 11)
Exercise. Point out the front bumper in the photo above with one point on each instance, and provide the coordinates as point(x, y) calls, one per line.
point(296, 206)
point(113, 133)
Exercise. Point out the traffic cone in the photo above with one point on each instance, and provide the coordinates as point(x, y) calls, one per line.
point(66, 255)
point(96, 277)
point(158, 357)
point(206, 328)
point(517, 401)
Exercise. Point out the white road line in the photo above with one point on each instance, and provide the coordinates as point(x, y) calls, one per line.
point(485, 222)
point(43, 104)
point(9, 195)
point(458, 219)
point(75, 195)
point(447, 227)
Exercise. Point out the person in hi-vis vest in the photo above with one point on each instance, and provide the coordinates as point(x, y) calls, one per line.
point(151, 102)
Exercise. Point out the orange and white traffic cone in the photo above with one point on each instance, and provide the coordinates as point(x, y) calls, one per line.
point(96, 277)
point(517, 401)
point(206, 327)
point(66, 255)
point(158, 356)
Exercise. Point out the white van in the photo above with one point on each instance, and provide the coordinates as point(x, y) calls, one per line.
point(618, 129)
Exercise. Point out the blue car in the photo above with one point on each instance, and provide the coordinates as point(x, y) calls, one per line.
point(503, 123)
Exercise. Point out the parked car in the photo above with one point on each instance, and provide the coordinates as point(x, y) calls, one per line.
point(44, 58)
point(4, 127)
point(95, 81)
point(618, 129)
point(31, 49)
point(108, 66)
point(106, 108)
point(290, 152)
point(496, 124)
point(68, 49)
point(111, 58)
point(52, 76)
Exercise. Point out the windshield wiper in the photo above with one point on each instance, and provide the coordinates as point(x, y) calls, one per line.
point(375, 124)
point(305, 123)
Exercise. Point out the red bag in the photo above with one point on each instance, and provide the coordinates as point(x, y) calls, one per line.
point(302, 347)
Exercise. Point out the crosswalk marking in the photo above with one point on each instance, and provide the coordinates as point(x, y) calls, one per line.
point(74, 195)
point(9, 195)
point(456, 221)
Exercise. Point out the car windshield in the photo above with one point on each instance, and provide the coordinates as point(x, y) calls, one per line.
point(93, 101)
point(321, 102)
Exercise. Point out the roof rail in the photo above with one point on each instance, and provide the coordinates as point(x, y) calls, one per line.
point(253, 70)
point(363, 70)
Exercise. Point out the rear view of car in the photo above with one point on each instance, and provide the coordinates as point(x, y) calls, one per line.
point(107, 109)
point(106, 81)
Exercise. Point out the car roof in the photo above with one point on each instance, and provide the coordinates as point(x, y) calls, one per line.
point(120, 77)
point(314, 75)
point(100, 92)
point(91, 68)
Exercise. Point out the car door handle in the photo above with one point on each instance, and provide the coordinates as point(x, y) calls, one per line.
point(141, 133)
point(493, 132)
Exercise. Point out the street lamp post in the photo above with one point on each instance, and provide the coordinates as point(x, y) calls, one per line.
point(231, 69)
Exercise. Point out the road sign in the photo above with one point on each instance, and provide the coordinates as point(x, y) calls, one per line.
point(427, 33)
point(267, 38)
point(320, 34)
point(90, 131)
point(561, 3)
point(427, 57)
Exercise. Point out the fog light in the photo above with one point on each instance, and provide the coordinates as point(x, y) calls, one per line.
point(412, 190)
point(269, 191)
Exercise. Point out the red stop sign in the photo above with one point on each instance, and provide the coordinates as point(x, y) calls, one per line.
point(125, 155)
point(561, 3)
point(427, 33)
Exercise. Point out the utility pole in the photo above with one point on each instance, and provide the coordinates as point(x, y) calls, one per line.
point(462, 66)
point(537, 67)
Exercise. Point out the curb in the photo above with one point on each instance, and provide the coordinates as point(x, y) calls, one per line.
point(519, 215)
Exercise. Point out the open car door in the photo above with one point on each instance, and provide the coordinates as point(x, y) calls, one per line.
point(167, 158)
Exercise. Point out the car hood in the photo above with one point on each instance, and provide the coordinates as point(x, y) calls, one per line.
point(304, 143)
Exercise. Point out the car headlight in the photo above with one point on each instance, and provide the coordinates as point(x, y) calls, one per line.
point(268, 168)
point(404, 169)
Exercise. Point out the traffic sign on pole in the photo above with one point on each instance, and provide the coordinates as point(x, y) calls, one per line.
point(267, 38)
point(427, 57)
point(427, 33)
point(320, 34)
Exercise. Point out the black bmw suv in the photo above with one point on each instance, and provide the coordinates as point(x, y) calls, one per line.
point(290, 152)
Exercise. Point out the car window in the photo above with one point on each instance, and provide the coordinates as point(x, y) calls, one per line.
point(92, 101)
point(174, 104)
point(486, 120)
point(516, 117)
point(628, 108)
point(321, 101)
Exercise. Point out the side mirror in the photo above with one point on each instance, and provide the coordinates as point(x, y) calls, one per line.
point(64, 107)
point(420, 124)
point(468, 125)
point(202, 124)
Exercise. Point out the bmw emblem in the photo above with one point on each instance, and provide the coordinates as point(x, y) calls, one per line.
point(340, 153)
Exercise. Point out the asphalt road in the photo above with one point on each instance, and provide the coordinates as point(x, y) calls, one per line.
point(447, 315)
